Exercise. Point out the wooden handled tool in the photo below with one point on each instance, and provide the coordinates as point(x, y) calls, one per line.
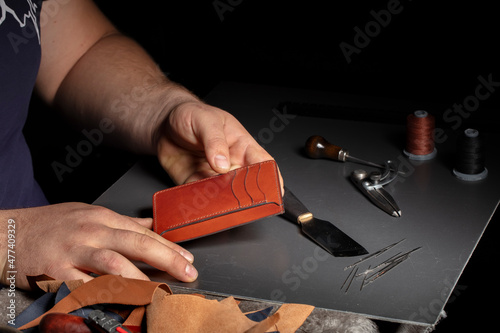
point(318, 147)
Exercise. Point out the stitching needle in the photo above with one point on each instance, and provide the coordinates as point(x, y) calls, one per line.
point(374, 255)
point(353, 276)
point(393, 263)
point(364, 279)
point(382, 264)
point(347, 278)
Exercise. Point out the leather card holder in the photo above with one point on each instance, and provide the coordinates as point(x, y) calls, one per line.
point(218, 203)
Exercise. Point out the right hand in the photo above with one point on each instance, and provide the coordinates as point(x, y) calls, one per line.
point(70, 240)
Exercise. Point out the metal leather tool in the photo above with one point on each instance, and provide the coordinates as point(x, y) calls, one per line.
point(324, 233)
point(317, 147)
point(371, 184)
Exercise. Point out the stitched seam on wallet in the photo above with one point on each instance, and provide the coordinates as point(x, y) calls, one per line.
point(225, 211)
point(275, 173)
point(180, 225)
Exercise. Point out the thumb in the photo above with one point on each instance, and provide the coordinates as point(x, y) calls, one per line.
point(216, 148)
point(221, 163)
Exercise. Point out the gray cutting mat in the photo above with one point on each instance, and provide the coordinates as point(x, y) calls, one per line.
point(271, 260)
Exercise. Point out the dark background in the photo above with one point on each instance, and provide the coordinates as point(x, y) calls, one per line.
point(429, 52)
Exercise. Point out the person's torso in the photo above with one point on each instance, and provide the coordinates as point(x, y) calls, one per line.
point(20, 55)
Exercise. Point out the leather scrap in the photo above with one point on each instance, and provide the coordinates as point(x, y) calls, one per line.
point(106, 289)
point(203, 315)
point(166, 312)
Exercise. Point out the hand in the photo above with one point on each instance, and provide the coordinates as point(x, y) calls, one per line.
point(198, 140)
point(70, 240)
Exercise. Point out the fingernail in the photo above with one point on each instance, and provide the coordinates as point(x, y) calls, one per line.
point(188, 255)
point(221, 162)
point(191, 272)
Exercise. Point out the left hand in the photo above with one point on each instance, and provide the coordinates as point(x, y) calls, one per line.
point(197, 140)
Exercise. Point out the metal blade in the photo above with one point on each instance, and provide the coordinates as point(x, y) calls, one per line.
point(360, 161)
point(324, 233)
point(331, 238)
point(385, 201)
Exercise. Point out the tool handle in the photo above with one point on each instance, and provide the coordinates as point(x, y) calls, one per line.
point(318, 147)
point(293, 207)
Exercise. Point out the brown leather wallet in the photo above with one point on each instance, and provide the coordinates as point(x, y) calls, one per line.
point(218, 203)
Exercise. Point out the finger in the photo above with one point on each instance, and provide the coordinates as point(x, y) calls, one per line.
point(142, 247)
point(114, 220)
point(105, 261)
point(72, 274)
point(144, 225)
point(144, 222)
point(211, 134)
point(108, 233)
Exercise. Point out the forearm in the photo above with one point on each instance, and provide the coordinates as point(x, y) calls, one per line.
point(117, 83)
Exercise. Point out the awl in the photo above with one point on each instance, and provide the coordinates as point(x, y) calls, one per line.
point(324, 233)
point(317, 147)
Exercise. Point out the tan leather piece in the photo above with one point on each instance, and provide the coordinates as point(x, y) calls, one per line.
point(166, 312)
point(194, 314)
point(47, 284)
point(106, 289)
point(218, 203)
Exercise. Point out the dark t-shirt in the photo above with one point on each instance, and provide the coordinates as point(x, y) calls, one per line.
point(19, 64)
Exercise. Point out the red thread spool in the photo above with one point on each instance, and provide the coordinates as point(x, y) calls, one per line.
point(420, 136)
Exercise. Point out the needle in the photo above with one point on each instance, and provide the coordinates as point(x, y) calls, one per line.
point(374, 254)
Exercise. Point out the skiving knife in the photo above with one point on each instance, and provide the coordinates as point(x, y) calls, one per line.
point(324, 233)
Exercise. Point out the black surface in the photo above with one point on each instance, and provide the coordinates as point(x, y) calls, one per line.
point(447, 229)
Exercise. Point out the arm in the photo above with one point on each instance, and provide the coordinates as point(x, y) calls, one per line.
point(87, 67)
point(71, 240)
point(89, 75)
point(89, 71)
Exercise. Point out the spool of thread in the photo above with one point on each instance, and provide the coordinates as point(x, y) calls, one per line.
point(420, 136)
point(470, 161)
